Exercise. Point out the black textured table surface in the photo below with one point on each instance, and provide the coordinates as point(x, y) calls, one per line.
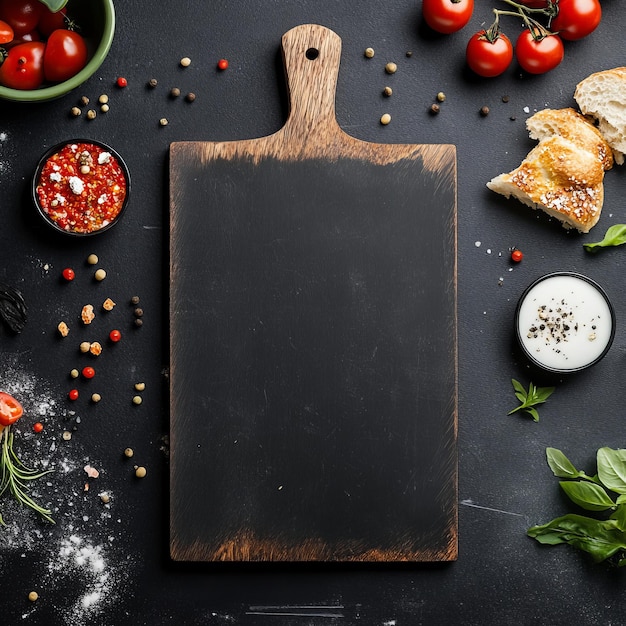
point(108, 563)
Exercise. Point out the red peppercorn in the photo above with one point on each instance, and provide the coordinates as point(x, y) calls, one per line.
point(516, 255)
point(222, 64)
point(89, 372)
point(38, 427)
point(121, 82)
point(115, 335)
point(68, 274)
point(73, 394)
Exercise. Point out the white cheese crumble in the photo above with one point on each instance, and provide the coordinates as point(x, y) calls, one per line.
point(104, 157)
point(55, 177)
point(102, 199)
point(76, 185)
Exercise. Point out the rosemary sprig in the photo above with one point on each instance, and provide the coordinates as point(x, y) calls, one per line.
point(15, 476)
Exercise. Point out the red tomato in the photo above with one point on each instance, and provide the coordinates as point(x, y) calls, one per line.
point(447, 16)
point(49, 21)
point(489, 56)
point(10, 409)
point(537, 56)
point(6, 32)
point(23, 67)
point(65, 55)
point(534, 4)
point(32, 36)
point(21, 15)
point(576, 18)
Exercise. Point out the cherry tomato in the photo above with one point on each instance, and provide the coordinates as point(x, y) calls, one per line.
point(6, 32)
point(21, 15)
point(65, 56)
point(489, 56)
point(537, 56)
point(534, 4)
point(32, 36)
point(576, 18)
point(447, 16)
point(37, 427)
point(50, 21)
point(10, 409)
point(23, 66)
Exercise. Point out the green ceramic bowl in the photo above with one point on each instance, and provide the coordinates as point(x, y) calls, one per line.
point(97, 22)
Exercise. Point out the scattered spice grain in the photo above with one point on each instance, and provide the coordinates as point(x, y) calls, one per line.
point(104, 108)
point(69, 274)
point(152, 83)
point(63, 329)
point(33, 596)
point(128, 453)
point(87, 314)
point(222, 64)
point(75, 373)
point(409, 54)
point(174, 92)
point(115, 335)
point(140, 386)
point(108, 304)
point(138, 322)
point(163, 121)
point(505, 99)
point(121, 82)
point(84, 100)
point(84, 346)
point(73, 394)
point(138, 312)
point(369, 53)
point(385, 119)
point(75, 111)
point(95, 348)
point(67, 435)
point(134, 300)
point(91, 114)
point(441, 96)
point(100, 274)
point(88, 372)
point(137, 400)
point(190, 97)
point(95, 398)
point(484, 111)
point(103, 99)
point(387, 91)
point(435, 108)
point(391, 68)
point(37, 427)
point(185, 62)
point(140, 472)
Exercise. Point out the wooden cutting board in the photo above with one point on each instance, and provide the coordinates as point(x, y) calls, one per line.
point(313, 338)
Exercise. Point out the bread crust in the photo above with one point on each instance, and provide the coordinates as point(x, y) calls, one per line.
point(602, 95)
point(560, 178)
point(571, 125)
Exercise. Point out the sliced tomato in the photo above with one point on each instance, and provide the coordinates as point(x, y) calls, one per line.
point(10, 409)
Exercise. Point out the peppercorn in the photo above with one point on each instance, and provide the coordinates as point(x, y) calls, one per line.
point(121, 82)
point(185, 62)
point(84, 100)
point(387, 91)
point(95, 398)
point(33, 596)
point(92, 259)
point(163, 121)
point(137, 400)
point(74, 373)
point(84, 346)
point(128, 453)
point(409, 54)
point(222, 64)
point(140, 386)
point(435, 108)
point(73, 394)
point(69, 274)
point(385, 119)
point(103, 99)
point(67, 435)
point(105, 497)
point(138, 312)
point(104, 108)
point(174, 92)
point(75, 111)
point(134, 300)
point(369, 53)
point(88, 372)
point(391, 68)
point(190, 97)
point(138, 322)
point(91, 114)
point(516, 255)
point(153, 82)
point(484, 111)
point(505, 99)
point(37, 427)
point(100, 274)
point(140, 472)
point(115, 336)
point(441, 96)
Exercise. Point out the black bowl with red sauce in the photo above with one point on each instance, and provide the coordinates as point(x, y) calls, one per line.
point(81, 187)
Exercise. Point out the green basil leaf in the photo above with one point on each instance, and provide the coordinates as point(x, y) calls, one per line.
point(533, 413)
point(560, 465)
point(587, 495)
point(542, 394)
point(599, 539)
point(614, 236)
point(621, 499)
point(518, 387)
point(619, 516)
point(54, 5)
point(612, 469)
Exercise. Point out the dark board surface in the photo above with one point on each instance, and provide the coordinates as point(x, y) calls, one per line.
point(313, 344)
point(501, 577)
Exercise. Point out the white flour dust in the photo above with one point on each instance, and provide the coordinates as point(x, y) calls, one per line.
point(79, 560)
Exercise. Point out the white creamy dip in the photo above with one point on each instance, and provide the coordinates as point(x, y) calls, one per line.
point(565, 322)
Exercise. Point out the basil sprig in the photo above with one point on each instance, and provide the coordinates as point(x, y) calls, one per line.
point(603, 539)
point(54, 5)
point(530, 399)
point(614, 236)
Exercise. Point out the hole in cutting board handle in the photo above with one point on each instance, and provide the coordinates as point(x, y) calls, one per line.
point(312, 54)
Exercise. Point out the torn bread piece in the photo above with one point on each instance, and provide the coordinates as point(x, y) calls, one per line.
point(602, 95)
point(571, 125)
point(560, 178)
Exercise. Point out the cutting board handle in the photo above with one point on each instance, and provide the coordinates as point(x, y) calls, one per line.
point(311, 54)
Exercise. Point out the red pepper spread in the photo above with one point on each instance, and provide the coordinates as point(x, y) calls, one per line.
point(82, 187)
